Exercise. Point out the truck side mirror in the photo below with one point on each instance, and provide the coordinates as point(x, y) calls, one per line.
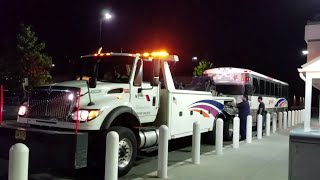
point(138, 74)
point(92, 82)
point(156, 72)
point(156, 81)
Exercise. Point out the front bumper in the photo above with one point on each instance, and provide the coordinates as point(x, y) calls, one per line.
point(47, 148)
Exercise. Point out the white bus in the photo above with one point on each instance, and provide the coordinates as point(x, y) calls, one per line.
point(235, 82)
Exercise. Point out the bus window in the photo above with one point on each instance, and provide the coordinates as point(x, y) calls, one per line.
point(280, 90)
point(262, 86)
point(230, 89)
point(272, 89)
point(287, 91)
point(255, 88)
point(276, 89)
point(267, 88)
point(283, 93)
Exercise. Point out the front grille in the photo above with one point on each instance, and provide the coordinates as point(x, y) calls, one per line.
point(51, 103)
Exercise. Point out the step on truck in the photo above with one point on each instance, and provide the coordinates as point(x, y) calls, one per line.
point(65, 124)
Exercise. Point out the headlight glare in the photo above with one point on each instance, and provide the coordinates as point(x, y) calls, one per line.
point(22, 111)
point(85, 115)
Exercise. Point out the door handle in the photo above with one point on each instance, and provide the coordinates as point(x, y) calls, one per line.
point(154, 100)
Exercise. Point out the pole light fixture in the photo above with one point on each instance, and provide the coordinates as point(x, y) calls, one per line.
point(107, 16)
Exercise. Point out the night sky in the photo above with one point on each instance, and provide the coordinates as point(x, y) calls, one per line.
point(264, 36)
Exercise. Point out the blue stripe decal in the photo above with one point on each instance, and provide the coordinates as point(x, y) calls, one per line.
point(212, 102)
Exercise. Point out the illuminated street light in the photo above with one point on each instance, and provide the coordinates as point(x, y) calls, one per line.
point(107, 16)
point(305, 52)
point(194, 58)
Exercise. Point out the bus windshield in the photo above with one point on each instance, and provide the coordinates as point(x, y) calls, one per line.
point(230, 89)
point(115, 69)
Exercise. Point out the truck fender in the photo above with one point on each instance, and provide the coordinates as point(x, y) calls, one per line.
point(221, 115)
point(117, 112)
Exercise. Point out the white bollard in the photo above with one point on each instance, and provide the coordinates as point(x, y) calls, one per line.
point(285, 119)
point(163, 152)
point(280, 120)
point(289, 118)
point(18, 162)
point(235, 138)
point(196, 142)
point(259, 127)
point(300, 116)
point(274, 122)
point(268, 124)
point(249, 130)
point(112, 153)
point(219, 136)
point(292, 118)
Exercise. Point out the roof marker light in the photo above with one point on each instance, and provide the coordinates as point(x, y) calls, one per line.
point(95, 54)
point(163, 53)
point(146, 54)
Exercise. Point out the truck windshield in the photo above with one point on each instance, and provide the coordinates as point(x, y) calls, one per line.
point(115, 69)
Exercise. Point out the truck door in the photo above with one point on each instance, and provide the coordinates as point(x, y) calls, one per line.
point(144, 96)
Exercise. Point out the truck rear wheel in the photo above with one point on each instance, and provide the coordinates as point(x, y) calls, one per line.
point(210, 137)
point(127, 149)
point(228, 130)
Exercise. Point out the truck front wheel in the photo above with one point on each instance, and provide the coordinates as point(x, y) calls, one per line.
point(127, 149)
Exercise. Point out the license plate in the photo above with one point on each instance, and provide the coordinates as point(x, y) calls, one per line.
point(20, 134)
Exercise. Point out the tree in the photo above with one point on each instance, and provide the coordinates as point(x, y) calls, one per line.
point(35, 63)
point(201, 67)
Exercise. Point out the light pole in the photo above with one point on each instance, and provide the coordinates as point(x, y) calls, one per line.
point(107, 16)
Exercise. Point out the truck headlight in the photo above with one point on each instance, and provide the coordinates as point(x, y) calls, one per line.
point(22, 110)
point(85, 115)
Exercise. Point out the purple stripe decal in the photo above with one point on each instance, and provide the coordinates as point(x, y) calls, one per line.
point(213, 111)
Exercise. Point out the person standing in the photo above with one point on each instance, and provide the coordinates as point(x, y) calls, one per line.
point(244, 111)
point(261, 110)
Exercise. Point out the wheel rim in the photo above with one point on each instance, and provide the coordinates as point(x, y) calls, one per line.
point(125, 152)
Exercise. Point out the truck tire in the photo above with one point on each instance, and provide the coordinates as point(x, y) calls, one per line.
point(127, 149)
point(227, 130)
point(210, 137)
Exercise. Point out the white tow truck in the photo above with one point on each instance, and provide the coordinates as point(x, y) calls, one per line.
point(65, 124)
